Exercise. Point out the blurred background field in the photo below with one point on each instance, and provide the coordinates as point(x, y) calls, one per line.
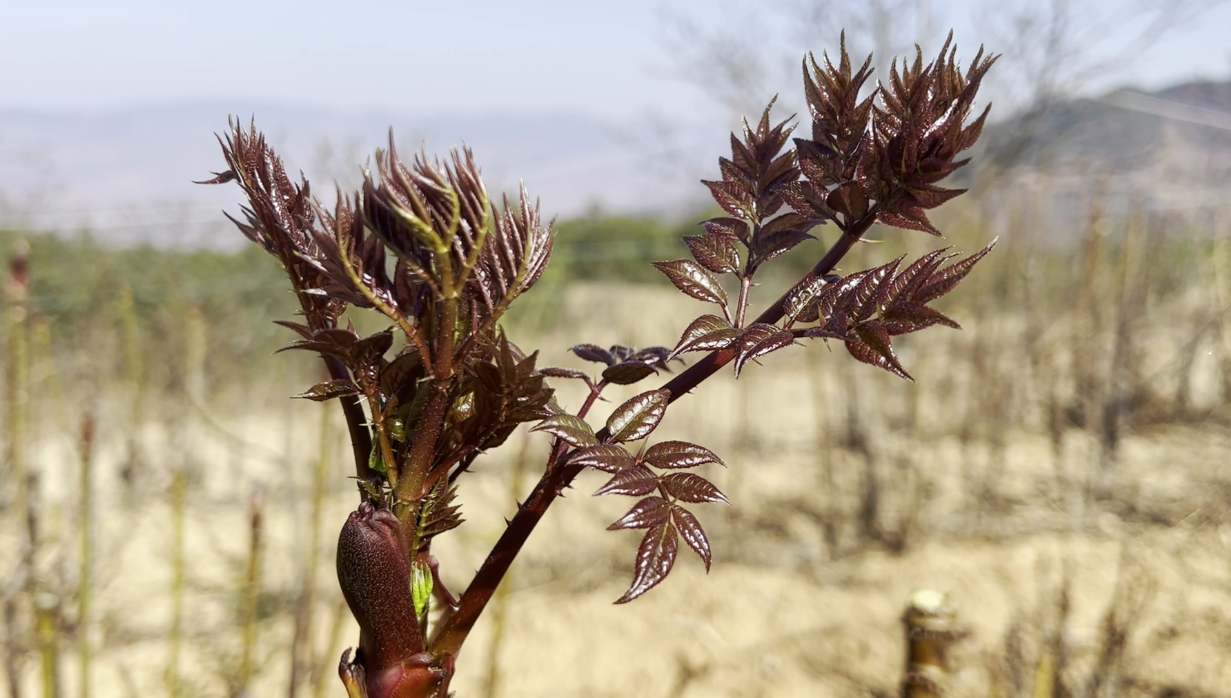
point(1061, 469)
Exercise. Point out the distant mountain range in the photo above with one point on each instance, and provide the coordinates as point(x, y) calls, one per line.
point(126, 174)
point(1167, 150)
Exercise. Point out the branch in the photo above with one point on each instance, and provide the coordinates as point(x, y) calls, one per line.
point(558, 476)
point(360, 438)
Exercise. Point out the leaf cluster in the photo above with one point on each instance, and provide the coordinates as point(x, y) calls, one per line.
point(874, 157)
point(653, 474)
point(422, 244)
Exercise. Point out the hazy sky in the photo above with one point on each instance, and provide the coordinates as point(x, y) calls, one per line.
point(607, 58)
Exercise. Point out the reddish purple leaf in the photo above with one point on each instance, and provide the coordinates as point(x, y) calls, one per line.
point(649, 512)
point(633, 482)
point(595, 353)
point(731, 197)
point(553, 372)
point(714, 252)
point(676, 455)
point(572, 429)
point(606, 457)
point(758, 340)
point(694, 280)
point(706, 333)
point(907, 281)
point(655, 558)
point(303, 330)
point(329, 390)
point(628, 372)
point(869, 294)
point(905, 317)
point(637, 417)
point(800, 298)
point(692, 533)
point(871, 345)
point(769, 246)
point(727, 226)
point(946, 279)
point(908, 217)
point(692, 488)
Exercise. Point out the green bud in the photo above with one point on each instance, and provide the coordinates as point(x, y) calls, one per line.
point(421, 586)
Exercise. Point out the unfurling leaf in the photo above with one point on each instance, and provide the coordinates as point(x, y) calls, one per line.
point(609, 458)
point(676, 455)
point(628, 372)
point(632, 482)
point(571, 429)
point(692, 533)
point(637, 417)
point(694, 280)
point(692, 488)
point(655, 558)
point(329, 390)
point(649, 512)
point(758, 340)
point(706, 333)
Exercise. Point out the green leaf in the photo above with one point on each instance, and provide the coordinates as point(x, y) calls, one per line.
point(571, 429)
point(421, 586)
point(637, 417)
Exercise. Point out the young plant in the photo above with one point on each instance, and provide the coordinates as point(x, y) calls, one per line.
point(425, 246)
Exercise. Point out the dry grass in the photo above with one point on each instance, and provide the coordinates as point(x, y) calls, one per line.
point(1062, 469)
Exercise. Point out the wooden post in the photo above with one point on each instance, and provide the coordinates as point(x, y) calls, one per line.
point(930, 629)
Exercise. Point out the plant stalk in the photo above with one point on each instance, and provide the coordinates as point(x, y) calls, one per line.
point(558, 476)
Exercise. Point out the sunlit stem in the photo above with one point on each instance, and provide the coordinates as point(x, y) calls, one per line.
point(745, 283)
